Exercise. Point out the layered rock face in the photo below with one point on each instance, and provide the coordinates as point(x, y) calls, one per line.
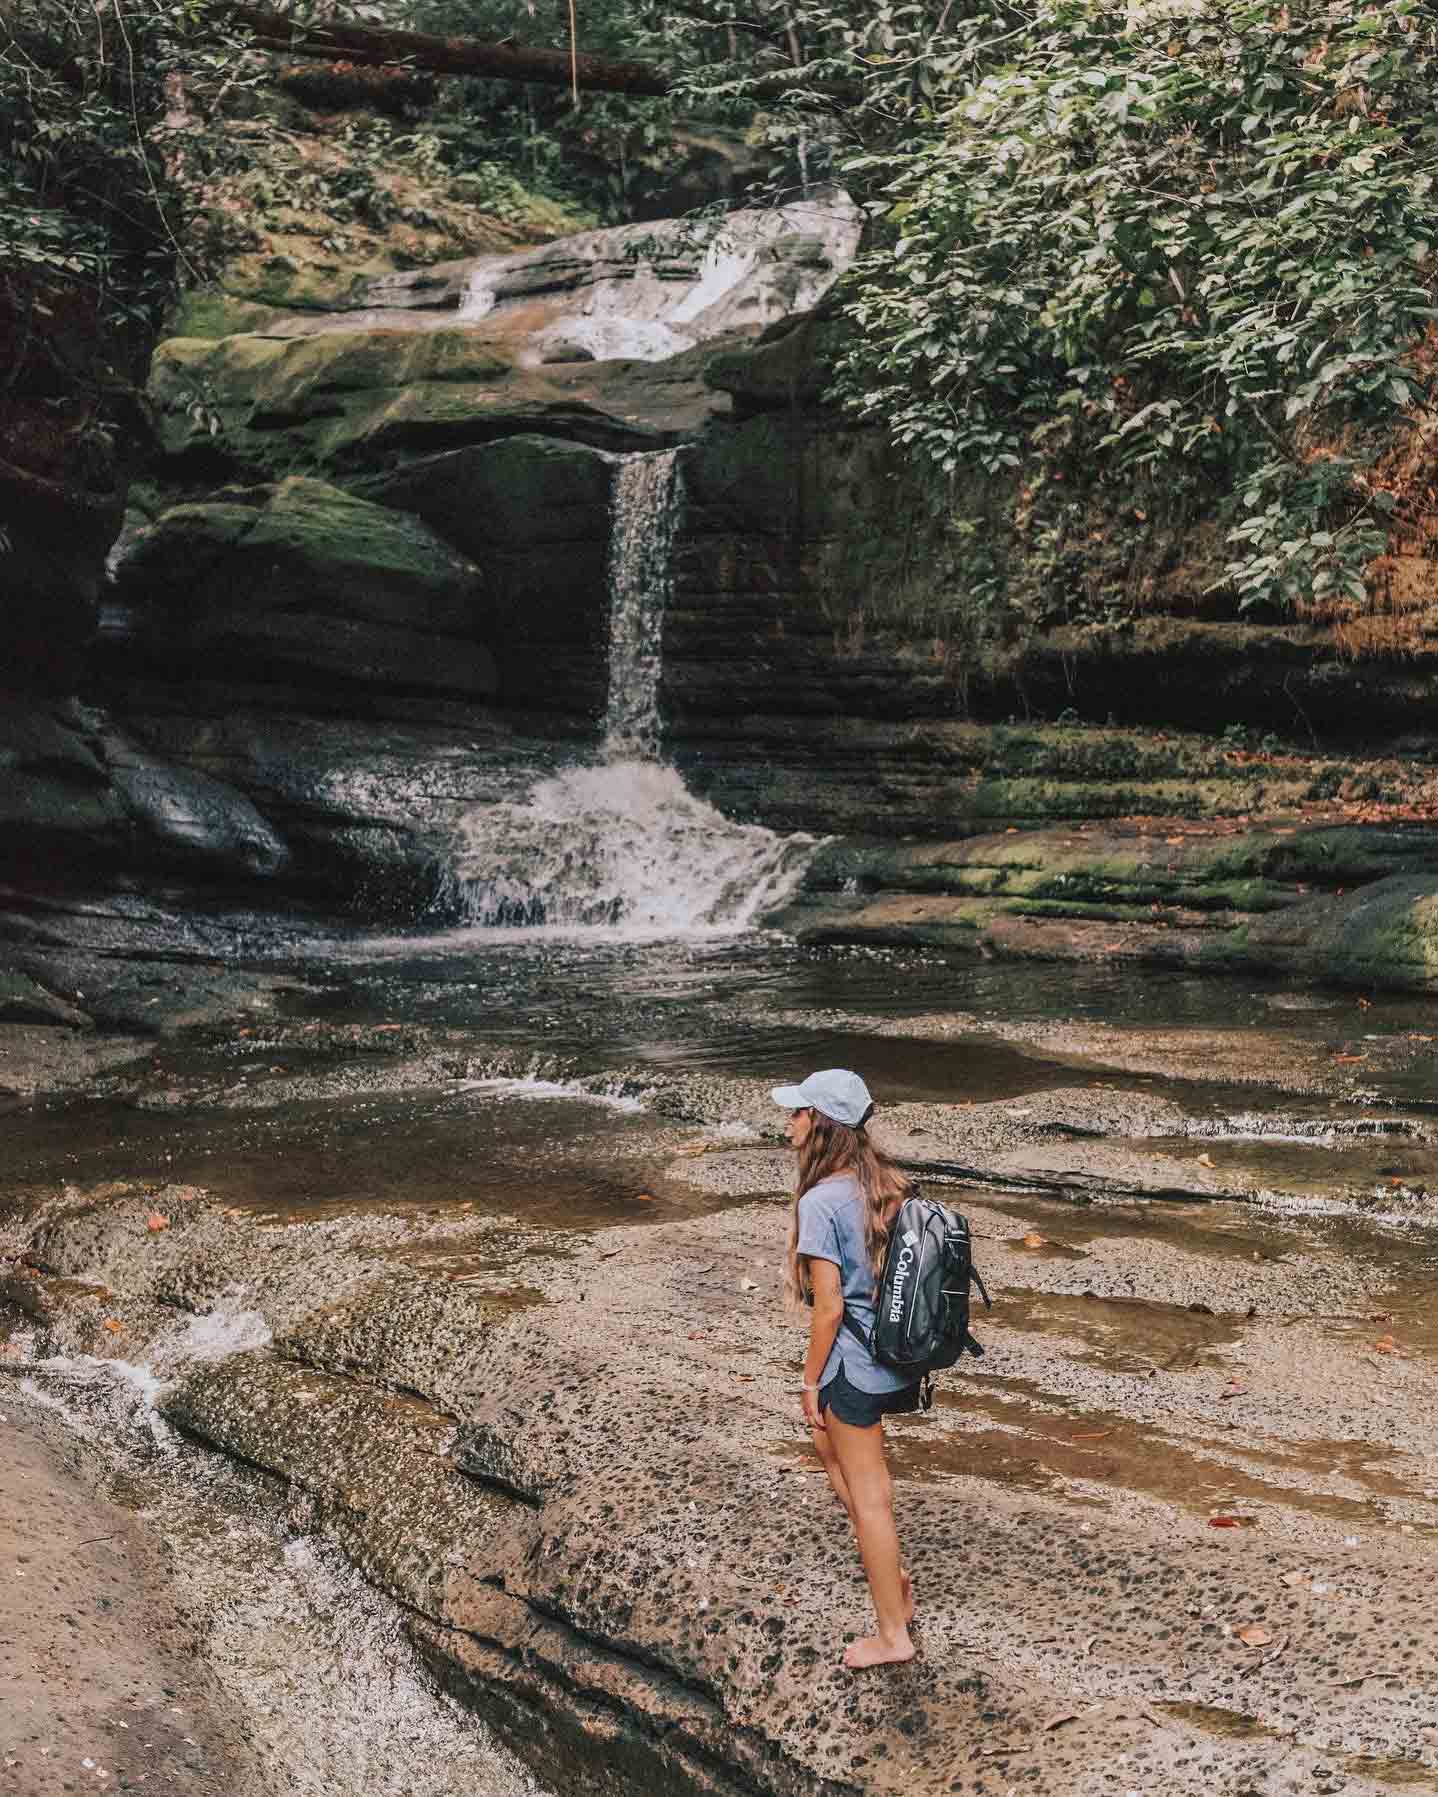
point(365, 584)
point(811, 581)
point(365, 592)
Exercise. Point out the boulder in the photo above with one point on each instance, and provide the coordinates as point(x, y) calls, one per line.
point(301, 581)
point(791, 364)
point(354, 400)
point(527, 489)
point(1385, 935)
point(647, 290)
point(194, 818)
point(78, 796)
point(57, 807)
point(536, 511)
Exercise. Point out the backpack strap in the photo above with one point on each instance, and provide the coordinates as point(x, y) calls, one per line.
point(974, 1275)
point(859, 1334)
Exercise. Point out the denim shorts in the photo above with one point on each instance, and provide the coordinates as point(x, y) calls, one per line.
point(861, 1409)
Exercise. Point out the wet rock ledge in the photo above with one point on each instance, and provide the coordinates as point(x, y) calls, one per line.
point(574, 1461)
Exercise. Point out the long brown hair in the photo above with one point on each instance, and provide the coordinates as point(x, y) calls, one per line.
point(883, 1185)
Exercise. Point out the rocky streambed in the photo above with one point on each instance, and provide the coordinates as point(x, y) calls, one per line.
point(461, 1265)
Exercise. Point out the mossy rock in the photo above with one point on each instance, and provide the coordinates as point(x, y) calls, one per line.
point(791, 364)
point(516, 493)
point(210, 316)
point(354, 401)
point(1385, 934)
point(304, 578)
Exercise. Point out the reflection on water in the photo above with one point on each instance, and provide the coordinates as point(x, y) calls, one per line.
point(754, 1006)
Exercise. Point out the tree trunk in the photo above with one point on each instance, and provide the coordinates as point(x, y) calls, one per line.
point(344, 41)
point(348, 42)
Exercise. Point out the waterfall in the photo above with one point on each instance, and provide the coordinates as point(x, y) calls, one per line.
point(619, 843)
point(641, 577)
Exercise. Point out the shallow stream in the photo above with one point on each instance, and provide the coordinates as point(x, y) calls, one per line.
point(520, 1076)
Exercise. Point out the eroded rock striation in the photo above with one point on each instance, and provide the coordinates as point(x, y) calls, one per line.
point(578, 1469)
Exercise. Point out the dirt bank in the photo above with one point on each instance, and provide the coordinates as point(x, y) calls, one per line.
point(99, 1686)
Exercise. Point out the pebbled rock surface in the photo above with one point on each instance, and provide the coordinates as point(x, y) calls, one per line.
point(574, 1457)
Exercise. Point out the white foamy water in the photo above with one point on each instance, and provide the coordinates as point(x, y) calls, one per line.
point(626, 846)
point(317, 1665)
point(534, 1089)
point(621, 845)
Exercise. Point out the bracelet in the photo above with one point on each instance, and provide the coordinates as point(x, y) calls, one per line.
point(808, 1388)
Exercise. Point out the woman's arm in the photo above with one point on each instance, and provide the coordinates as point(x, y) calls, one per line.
point(825, 1320)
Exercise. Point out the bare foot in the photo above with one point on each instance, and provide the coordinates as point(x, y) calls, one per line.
point(875, 1650)
point(906, 1585)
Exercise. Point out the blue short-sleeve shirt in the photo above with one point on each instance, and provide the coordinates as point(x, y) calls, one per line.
point(831, 1227)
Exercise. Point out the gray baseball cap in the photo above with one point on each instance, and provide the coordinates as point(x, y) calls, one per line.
point(836, 1093)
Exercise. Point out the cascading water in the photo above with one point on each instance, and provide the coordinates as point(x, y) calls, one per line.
point(318, 1666)
point(621, 843)
point(641, 576)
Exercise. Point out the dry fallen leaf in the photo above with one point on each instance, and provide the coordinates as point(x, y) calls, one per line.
point(645, 1198)
point(1296, 1578)
point(1034, 1240)
point(1173, 841)
point(1232, 1522)
point(1205, 1160)
point(745, 1378)
point(157, 1221)
point(114, 1325)
point(1350, 1057)
point(1254, 1635)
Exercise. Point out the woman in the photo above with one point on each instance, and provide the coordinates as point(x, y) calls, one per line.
point(847, 1195)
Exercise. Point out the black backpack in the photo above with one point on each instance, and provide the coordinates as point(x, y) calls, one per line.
point(921, 1307)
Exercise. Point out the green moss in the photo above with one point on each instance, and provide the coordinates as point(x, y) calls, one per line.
point(270, 406)
point(214, 315)
point(1113, 913)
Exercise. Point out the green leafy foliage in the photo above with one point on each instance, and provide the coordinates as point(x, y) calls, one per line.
point(1162, 244)
point(93, 202)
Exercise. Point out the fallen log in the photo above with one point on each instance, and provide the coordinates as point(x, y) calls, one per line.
point(345, 41)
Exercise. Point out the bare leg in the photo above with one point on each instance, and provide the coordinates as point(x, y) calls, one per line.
point(860, 1453)
point(824, 1448)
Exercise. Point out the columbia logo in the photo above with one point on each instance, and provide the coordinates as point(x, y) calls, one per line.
point(910, 1237)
